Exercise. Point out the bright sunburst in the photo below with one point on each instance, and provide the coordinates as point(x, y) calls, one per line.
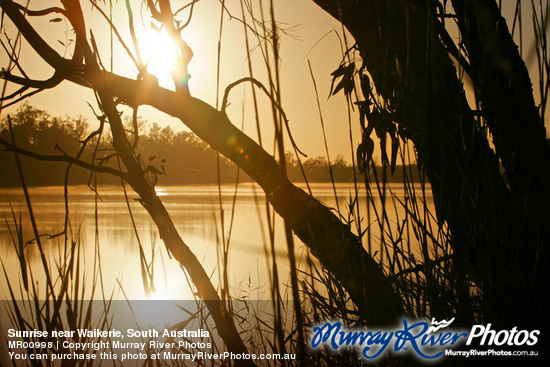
point(159, 53)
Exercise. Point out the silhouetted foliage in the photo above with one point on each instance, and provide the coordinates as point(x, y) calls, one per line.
point(174, 158)
point(35, 130)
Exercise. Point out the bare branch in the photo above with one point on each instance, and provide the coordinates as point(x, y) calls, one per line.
point(31, 83)
point(41, 12)
point(27, 83)
point(257, 83)
point(192, 5)
point(12, 56)
point(25, 96)
point(14, 94)
point(48, 54)
point(63, 158)
point(248, 26)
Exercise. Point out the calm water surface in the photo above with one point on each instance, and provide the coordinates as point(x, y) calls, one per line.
point(197, 215)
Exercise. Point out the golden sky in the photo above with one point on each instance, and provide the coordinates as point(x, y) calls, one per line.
point(305, 26)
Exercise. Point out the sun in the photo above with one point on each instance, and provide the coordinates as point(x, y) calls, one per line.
point(159, 53)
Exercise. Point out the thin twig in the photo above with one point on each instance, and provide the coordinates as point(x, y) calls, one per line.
point(273, 100)
point(62, 158)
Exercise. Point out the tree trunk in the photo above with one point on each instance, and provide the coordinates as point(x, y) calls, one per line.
point(328, 238)
point(504, 86)
point(400, 43)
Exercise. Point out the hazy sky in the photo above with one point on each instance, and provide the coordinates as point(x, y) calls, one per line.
point(311, 34)
point(305, 26)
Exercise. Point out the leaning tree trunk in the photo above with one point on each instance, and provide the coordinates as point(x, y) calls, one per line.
point(330, 240)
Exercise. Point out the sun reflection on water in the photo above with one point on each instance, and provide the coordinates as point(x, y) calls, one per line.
point(160, 191)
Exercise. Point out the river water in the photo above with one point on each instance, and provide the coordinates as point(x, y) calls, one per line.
point(102, 226)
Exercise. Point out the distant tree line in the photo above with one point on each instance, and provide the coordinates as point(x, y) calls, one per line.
point(172, 158)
